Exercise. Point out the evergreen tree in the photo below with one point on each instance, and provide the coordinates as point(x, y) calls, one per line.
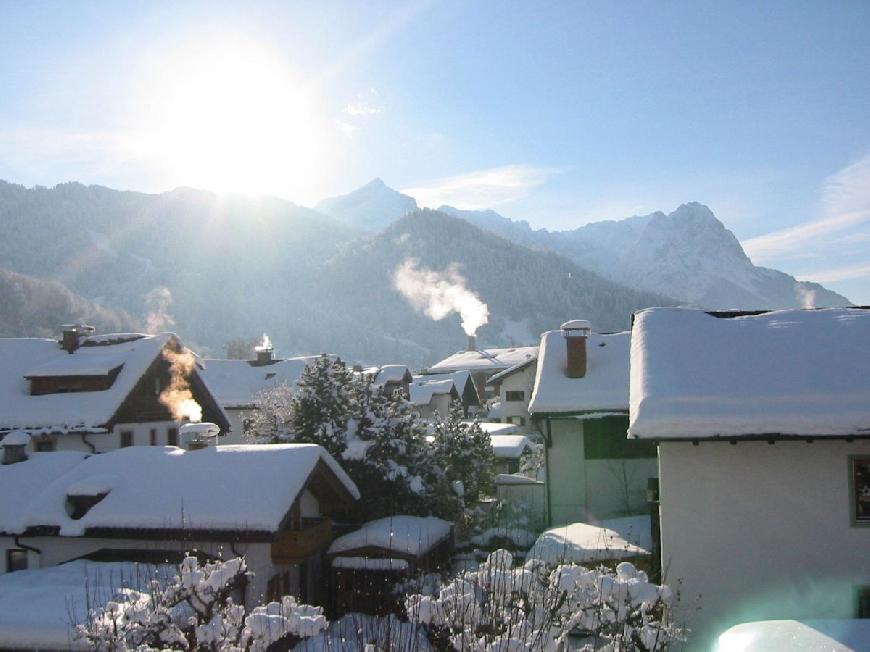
point(464, 453)
point(320, 406)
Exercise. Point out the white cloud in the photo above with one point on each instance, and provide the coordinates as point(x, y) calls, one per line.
point(837, 274)
point(845, 206)
point(365, 104)
point(481, 188)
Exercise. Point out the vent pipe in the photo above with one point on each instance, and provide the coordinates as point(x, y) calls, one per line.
point(71, 335)
point(575, 333)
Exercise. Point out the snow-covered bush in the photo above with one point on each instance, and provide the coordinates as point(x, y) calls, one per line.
point(499, 608)
point(197, 612)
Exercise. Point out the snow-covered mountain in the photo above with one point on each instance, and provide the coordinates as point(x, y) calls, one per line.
point(371, 207)
point(687, 254)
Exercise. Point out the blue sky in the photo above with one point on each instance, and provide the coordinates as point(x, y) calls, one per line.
point(557, 113)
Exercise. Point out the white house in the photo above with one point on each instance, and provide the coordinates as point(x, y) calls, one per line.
point(763, 429)
point(512, 389)
point(270, 503)
point(580, 405)
point(429, 394)
point(95, 393)
point(483, 363)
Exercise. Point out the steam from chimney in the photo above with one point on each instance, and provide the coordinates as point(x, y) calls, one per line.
point(265, 344)
point(438, 294)
point(178, 397)
point(157, 303)
point(807, 297)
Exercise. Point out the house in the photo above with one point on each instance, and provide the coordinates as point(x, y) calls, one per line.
point(508, 445)
point(96, 393)
point(762, 422)
point(392, 378)
point(483, 363)
point(429, 395)
point(580, 405)
point(512, 389)
point(269, 503)
point(463, 383)
point(366, 563)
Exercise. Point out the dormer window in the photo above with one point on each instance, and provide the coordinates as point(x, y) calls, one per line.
point(48, 383)
point(83, 494)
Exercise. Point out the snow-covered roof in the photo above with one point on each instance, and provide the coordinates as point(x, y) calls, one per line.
point(235, 383)
point(370, 563)
point(494, 428)
point(25, 480)
point(37, 606)
point(241, 488)
point(30, 357)
point(421, 392)
point(410, 535)
point(789, 372)
point(485, 359)
point(580, 543)
point(846, 635)
point(509, 446)
point(604, 387)
point(392, 373)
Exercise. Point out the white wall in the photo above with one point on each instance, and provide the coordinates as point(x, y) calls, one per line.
point(523, 381)
point(757, 531)
point(109, 441)
point(582, 490)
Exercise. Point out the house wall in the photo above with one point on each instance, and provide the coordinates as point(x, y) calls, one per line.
point(236, 435)
point(56, 550)
point(523, 381)
point(532, 495)
point(109, 441)
point(757, 531)
point(583, 488)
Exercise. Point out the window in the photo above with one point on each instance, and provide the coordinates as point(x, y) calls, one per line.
point(45, 446)
point(863, 602)
point(515, 395)
point(859, 490)
point(16, 560)
point(172, 437)
point(152, 436)
point(126, 438)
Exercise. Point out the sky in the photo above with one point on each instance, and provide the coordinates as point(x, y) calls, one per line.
point(559, 113)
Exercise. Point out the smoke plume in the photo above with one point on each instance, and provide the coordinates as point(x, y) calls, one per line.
point(177, 396)
point(157, 303)
point(437, 294)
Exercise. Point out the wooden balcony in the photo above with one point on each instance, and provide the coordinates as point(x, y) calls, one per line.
point(294, 546)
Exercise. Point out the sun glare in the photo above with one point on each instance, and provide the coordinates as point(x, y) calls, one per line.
point(230, 117)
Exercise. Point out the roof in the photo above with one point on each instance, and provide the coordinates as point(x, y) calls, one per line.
point(166, 488)
point(410, 535)
point(462, 381)
point(235, 383)
point(498, 428)
point(21, 358)
point(509, 446)
point(778, 374)
point(846, 635)
point(603, 388)
point(393, 373)
point(485, 360)
point(36, 606)
point(422, 391)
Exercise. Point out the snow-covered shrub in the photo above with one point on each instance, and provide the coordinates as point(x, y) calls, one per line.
point(196, 612)
point(499, 608)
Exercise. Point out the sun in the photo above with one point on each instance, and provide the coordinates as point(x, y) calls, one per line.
point(230, 116)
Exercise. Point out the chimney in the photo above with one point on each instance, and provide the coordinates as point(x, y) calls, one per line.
point(575, 333)
point(15, 447)
point(264, 356)
point(472, 343)
point(197, 436)
point(71, 335)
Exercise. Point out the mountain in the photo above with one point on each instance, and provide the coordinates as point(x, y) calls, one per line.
point(35, 307)
point(371, 207)
point(526, 291)
point(687, 254)
point(231, 267)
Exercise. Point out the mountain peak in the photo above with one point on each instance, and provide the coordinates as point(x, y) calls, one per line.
point(372, 206)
